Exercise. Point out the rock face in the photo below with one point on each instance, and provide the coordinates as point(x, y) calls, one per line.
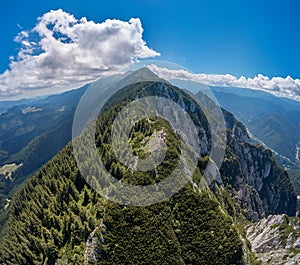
point(275, 239)
point(261, 186)
point(265, 234)
point(95, 238)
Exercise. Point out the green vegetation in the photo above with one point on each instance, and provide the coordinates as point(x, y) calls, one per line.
point(56, 213)
point(31, 138)
point(51, 217)
point(57, 218)
point(188, 229)
point(140, 141)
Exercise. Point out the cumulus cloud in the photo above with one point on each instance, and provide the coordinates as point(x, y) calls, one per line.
point(62, 52)
point(283, 87)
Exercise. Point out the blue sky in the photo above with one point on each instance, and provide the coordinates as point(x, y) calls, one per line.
point(213, 37)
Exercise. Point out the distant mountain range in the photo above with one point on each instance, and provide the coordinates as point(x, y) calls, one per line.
point(273, 120)
point(31, 133)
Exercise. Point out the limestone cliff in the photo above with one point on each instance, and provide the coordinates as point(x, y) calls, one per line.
point(276, 239)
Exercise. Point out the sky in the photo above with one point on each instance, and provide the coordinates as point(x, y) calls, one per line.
point(256, 41)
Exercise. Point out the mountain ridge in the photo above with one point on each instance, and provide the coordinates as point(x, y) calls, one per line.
point(56, 215)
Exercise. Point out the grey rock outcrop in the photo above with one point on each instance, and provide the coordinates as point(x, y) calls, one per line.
point(275, 239)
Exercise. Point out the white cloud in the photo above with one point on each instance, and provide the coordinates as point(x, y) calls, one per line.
point(62, 52)
point(284, 87)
